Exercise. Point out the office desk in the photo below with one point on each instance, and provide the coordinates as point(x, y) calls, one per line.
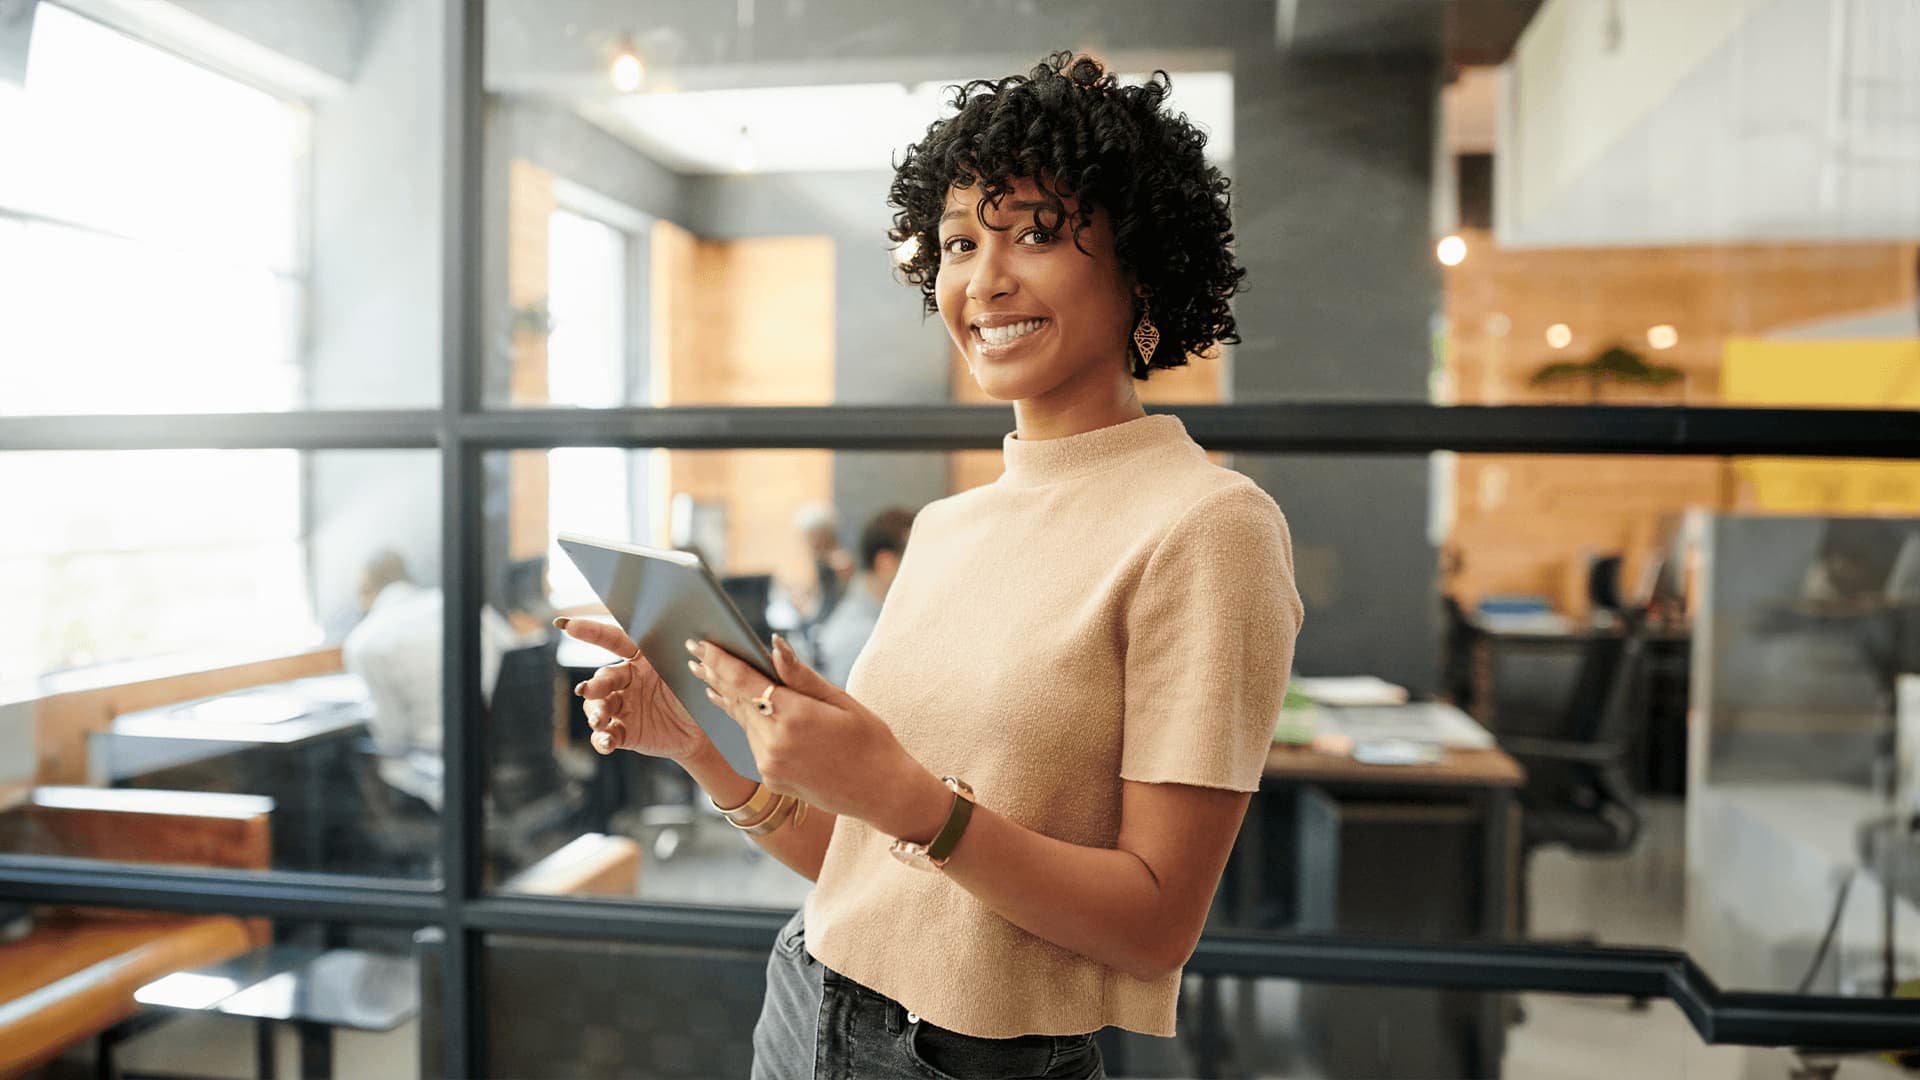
point(1480, 780)
point(241, 742)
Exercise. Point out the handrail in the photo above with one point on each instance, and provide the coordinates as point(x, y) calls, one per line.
point(1719, 1016)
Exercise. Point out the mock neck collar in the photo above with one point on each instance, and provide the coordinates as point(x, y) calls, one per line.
point(1045, 461)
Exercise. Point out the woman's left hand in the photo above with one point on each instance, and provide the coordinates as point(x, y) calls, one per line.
point(819, 745)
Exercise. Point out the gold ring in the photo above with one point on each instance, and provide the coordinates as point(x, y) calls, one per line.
point(765, 701)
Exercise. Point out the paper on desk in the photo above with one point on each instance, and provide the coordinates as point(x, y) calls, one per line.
point(1352, 690)
point(1420, 722)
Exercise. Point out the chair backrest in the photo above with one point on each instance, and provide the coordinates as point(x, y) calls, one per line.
point(520, 724)
point(1613, 724)
point(1593, 687)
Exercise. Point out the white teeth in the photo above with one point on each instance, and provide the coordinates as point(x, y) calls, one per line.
point(1001, 335)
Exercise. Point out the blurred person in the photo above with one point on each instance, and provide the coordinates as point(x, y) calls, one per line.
point(845, 632)
point(395, 648)
point(833, 568)
point(1070, 692)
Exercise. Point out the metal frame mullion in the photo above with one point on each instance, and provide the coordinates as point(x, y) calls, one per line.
point(359, 429)
point(1278, 428)
point(196, 890)
point(462, 823)
point(1271, 428)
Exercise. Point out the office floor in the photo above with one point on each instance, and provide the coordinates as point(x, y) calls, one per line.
point(1633, 900)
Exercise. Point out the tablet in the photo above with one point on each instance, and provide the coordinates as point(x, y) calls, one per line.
point(662, 598)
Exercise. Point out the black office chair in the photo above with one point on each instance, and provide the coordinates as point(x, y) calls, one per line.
point(533, 807)
point(1577, 793)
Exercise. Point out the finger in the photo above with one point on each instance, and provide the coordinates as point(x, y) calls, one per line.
point(727, 673)
point(613, 738)
point(797, 676)
point(608, 681)
point(744, 713)
point(595, 632)
point(597, 714)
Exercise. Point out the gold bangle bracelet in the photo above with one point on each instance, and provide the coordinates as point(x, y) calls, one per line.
point(753, 810)
point(773, 820)
point(748, 823)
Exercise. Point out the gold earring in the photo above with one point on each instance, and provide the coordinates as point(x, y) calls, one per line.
point(1146, 338)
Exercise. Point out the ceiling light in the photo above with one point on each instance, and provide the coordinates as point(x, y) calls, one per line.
point(1452, 250)
point(1662, 336)
point(627, 68)
point(908, 248)
point(1559, 335)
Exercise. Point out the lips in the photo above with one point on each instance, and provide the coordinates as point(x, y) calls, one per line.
point(1008, 334)
point(997, 334)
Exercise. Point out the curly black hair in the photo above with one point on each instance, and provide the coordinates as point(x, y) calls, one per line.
point(1071, 127)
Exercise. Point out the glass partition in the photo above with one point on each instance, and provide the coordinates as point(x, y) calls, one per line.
point(223, 658)
point(1418, 218)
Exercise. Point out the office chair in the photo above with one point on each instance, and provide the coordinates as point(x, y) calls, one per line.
point(532, 807)
point(1576, 793)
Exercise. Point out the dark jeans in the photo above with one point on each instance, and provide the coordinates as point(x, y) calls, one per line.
point(817, 1024)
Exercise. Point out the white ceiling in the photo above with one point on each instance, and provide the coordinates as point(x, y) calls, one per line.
point(824, 128)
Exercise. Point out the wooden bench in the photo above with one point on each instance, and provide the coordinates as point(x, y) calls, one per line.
point(74, 974)
point(593, 864)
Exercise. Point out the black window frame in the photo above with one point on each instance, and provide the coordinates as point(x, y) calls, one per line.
point(463, 430)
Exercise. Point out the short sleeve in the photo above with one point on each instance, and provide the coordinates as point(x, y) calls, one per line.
point(1209, 647)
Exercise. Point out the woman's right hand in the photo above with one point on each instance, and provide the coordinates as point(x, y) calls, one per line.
point(629, 706)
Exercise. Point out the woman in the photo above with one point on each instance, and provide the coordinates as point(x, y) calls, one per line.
point(1018, 810)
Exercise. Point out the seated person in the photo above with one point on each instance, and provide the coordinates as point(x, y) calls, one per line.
point(396, 649)
point(846, 630)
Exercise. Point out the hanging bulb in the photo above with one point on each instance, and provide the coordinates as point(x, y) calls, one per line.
point(627, 69)
point(743, 156)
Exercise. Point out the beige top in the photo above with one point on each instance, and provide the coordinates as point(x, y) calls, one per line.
point(1114, 607)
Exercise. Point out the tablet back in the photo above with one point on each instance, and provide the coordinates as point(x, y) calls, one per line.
point(661, 598)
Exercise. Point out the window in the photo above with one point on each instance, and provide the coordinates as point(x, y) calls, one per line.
point(588, 488)
point(142, 553)
point(151, 218)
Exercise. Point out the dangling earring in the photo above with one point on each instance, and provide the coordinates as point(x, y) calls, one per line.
point(1146, 338)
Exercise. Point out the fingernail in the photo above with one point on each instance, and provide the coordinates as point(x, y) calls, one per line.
point(602, 740)
point(780, 643)
point(691, 647)
point(561, 623)
point(580, 689)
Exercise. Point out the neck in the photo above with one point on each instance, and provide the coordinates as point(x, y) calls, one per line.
point(1075, 407)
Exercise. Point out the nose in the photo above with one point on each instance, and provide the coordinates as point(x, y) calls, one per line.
point(992, 275)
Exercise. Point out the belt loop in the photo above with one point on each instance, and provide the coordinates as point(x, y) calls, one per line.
point(896, 1017)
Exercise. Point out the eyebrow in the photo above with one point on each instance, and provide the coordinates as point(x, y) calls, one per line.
point(1023, 204)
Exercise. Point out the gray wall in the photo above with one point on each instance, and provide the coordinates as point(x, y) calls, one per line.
point(885, 351)
point(375, 317)
point(1331, 214)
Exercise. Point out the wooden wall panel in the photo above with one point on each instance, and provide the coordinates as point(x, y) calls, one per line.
point(744, 322)
point(1526, 525)
point(530, 206)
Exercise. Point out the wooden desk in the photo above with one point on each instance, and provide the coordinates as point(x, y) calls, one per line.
point(74, 974)
point(1485, 779)
point(1459, 768)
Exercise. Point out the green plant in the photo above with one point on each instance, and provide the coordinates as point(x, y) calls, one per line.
point(1611, 364)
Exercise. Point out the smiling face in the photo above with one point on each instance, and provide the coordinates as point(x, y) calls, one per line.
point(1035, 316)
